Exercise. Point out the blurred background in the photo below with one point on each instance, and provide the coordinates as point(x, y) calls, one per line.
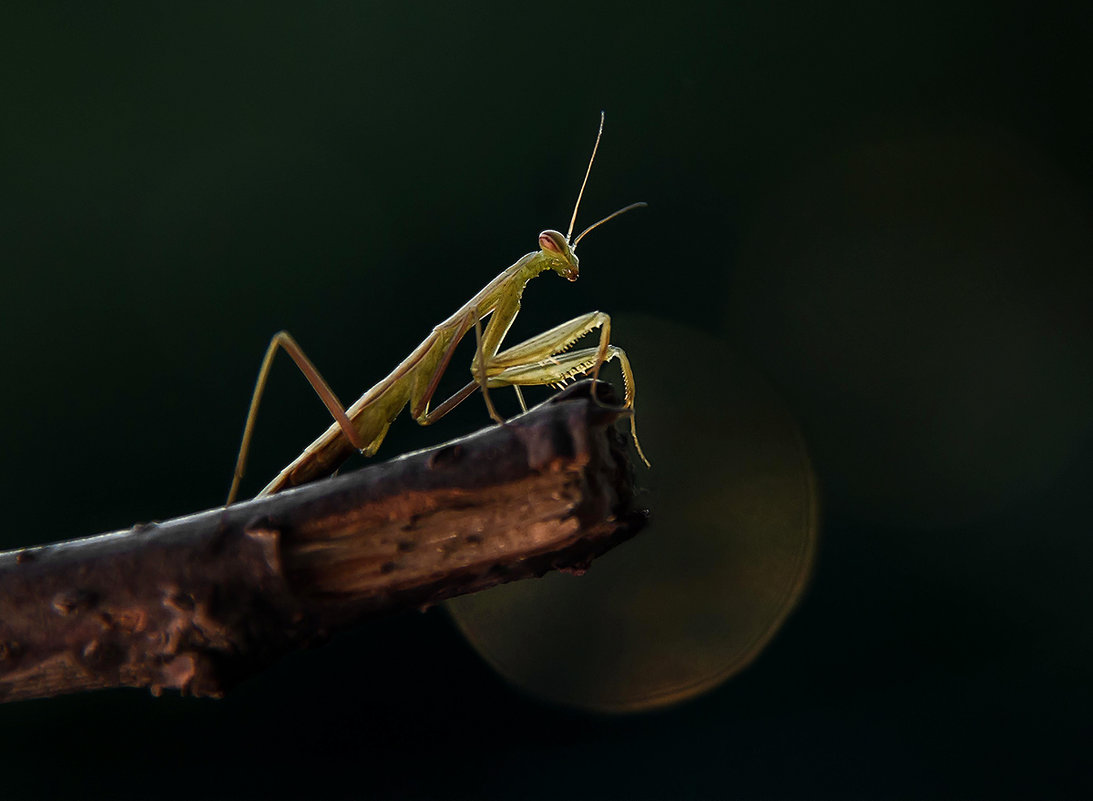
point(867, 251)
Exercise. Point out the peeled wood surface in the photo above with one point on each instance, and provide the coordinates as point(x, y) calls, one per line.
point(199, 602)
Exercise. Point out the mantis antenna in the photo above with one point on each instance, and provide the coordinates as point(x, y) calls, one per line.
point(595, 147)
point(587, 172)
point(640, 204)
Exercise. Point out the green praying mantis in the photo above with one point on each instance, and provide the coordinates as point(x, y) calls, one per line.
point(543, 360)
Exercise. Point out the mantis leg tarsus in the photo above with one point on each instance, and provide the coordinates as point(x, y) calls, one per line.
point(634, 436)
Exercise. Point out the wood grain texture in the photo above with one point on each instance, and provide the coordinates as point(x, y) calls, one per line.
point(199, 602)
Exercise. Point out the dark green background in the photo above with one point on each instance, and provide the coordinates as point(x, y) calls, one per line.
point(886, 207)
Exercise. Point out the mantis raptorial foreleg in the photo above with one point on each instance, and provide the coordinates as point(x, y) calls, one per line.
point(544, 359)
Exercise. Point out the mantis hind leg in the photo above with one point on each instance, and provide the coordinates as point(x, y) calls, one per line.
point(283, 340)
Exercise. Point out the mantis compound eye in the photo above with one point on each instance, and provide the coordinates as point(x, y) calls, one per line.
point(552, 241)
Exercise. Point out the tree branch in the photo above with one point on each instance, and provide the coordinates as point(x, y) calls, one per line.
point(199, 602)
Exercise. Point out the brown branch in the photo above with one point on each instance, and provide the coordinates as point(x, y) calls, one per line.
point(199, 602)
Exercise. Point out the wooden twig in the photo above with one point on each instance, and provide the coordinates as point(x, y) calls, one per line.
point(199, 602)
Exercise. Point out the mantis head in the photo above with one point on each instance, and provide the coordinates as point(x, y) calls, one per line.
point(556, 248)
point(559, 254)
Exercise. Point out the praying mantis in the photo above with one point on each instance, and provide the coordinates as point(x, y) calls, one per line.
point(542, 360)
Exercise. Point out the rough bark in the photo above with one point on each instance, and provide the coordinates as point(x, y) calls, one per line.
point(199, 602)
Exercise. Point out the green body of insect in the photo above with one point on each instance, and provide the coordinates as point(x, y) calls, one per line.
point(545, 359)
